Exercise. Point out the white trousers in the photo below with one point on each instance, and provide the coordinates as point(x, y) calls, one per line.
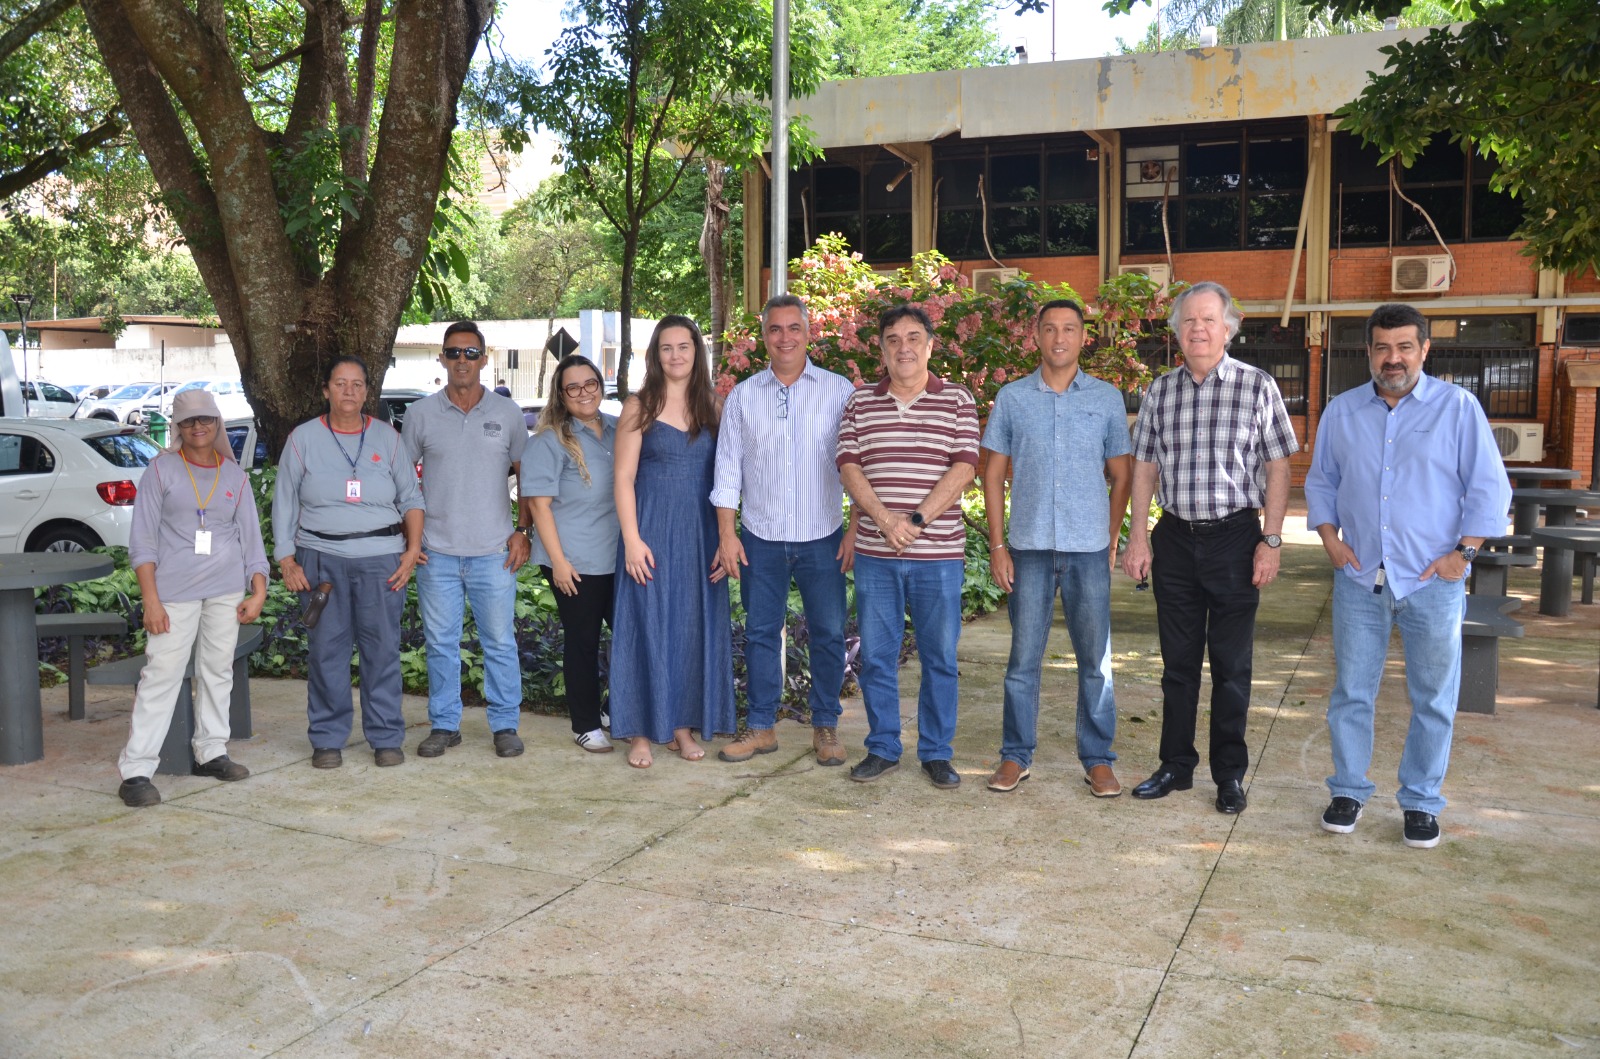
point(209, 629)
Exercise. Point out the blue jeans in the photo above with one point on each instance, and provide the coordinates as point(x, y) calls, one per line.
point(1084, 581)
point(444, 584)
point(813, 566)
point(931, 590)
point(1430, 631)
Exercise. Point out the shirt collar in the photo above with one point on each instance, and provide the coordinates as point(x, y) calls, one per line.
point(810, 371)
point(1078, 380)
point(1426, 389)
point(935, 385)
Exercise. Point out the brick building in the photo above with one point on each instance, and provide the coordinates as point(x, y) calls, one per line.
point(1214, 163)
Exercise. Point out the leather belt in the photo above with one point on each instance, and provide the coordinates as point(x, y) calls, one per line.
point(1212, 525)
point(387, 531)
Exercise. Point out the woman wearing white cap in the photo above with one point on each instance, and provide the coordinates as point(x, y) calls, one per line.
point(195, 546)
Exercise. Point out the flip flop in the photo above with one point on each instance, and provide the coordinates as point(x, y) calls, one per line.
point(697, 754)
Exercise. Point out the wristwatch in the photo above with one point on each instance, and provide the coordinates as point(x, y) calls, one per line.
point(1272, 540)
point(1468, 552)
point(527, 531)
point(917, 519)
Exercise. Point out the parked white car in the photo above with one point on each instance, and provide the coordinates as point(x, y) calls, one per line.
point(120, 404)
point(46, 400)
point(68, 485)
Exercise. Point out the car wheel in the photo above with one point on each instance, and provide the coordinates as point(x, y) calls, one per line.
point(104, 415)
point(65, 539)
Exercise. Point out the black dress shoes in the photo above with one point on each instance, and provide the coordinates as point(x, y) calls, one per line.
point(1230, 797)
point(1162, 783)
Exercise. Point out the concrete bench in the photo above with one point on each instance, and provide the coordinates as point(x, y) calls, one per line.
point(77, 627)
point(1490, 570)
point(177, 754)
point(1555, 580)
point(1485, 623)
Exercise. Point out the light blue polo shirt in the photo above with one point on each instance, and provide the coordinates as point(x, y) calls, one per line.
point(1059, 444)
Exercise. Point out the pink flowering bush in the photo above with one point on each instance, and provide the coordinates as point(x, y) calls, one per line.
point(980, 340)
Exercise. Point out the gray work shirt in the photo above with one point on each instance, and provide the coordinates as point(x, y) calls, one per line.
point(466, 458)
point(1058, 444)
point(166, 514)
point(312, 490)
point(585, 512)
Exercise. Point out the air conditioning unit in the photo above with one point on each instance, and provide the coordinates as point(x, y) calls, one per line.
point(1420, 275)
point(1160, 275)
point(1519, 442)
point(985, 280)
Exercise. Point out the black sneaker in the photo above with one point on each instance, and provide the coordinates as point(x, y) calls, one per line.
point(506, 743)
point(138, 792)
point(943, 776)
point(220, 768)
point(871, 767)
point(1341, 815)
point(328, 757)
point(1422, 829)
point(437, 741)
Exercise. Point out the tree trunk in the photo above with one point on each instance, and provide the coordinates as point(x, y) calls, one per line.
point(544, 354)
point(714, 252)
point(630, 257)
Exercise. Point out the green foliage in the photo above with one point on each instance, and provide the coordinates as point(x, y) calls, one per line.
point(876, 38)
point(446, 266)
point(315, 197)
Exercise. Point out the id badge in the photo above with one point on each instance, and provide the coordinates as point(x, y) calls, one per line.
point(352, 490)
point(202, 542)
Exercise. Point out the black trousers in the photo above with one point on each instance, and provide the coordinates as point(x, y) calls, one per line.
point(1205, 605)
point(581, 616)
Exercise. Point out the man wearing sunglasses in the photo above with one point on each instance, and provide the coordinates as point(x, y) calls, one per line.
point(468, 440)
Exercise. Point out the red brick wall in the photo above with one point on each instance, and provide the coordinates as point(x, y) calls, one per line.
point(1569, 441)
point(1363, 274)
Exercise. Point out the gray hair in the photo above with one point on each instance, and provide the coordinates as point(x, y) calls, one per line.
point(1230, 315)
point(786, 301)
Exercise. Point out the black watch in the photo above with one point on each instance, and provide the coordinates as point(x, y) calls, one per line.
point(917, 519)
point(1272, 540)
point(1468, 552)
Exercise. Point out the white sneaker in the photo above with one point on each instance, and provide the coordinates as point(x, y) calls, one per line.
point(594, 742)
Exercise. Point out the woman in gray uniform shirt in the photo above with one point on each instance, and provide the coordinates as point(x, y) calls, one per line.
point(567, 496)
point(347, 512)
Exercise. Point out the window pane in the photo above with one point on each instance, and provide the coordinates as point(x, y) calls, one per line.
point(1440, 160)
point(1143, 226)
point(1274, 220)
point(1355, 165)
point(1278, 165)
point(845, 224)
point(838, 189)
point(1211, 224)
point(1212, 167)
point(1348, 331)
point(956, 181)
point(125, 450)
point(888, 237)
point(1446, 206)
point(1495, 214)
point(879, 177)
point(1013, 178)
point(1070, 175)
point(1073, 228)
point(959, 237)
point(1514, 330)
point(1483, 167)
point(1015, 230)
point(1362, 217)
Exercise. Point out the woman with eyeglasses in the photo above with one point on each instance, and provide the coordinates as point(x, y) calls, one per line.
point(671, 648)
point(347, 533)
point(568, 497)
point(195, 545)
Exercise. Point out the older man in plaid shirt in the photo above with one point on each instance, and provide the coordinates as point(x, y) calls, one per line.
point(1216, 435)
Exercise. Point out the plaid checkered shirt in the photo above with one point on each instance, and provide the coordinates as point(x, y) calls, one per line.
point(1213, 439)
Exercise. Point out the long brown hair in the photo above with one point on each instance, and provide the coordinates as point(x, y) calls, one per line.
point(701, 397)
point(556, 416)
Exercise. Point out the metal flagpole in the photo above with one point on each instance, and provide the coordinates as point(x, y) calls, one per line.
point(780, 147)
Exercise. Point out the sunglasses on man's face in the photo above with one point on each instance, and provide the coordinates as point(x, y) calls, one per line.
point(456, 353)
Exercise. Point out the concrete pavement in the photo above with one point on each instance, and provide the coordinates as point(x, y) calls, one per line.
point(562, 904)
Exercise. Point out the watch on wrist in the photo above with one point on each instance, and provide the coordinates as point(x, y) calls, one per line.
point(1468, 552)
point(1272, 540)
point(917, 519)
point(526, 531)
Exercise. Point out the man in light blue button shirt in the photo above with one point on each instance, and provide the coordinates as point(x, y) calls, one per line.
point(775, 452)
point(1062, 434)
point(1405, 483)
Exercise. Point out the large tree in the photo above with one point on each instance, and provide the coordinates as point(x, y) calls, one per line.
point(300, 150)
point(876, 38)
point(640, 91)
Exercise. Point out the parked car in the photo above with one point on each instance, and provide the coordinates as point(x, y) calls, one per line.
point(249, 447)
point(68, 485)
point(392, 404)
point(120, 403)
point(46, 400)
point(159, 399)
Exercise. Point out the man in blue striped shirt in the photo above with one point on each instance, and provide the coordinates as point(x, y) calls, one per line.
point(1405, 483)
point(775, 453)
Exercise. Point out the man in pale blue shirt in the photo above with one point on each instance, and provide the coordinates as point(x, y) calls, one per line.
point(1405, 483)
point(1061, 433)
point(775, 453)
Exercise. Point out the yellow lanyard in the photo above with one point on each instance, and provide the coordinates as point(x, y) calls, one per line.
point(201, 510)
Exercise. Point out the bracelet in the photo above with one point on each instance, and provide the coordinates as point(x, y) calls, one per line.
point(994, 547)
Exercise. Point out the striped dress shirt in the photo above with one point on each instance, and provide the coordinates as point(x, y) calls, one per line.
point(775, 451)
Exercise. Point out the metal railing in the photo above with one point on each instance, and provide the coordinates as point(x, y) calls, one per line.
point(1505, 381)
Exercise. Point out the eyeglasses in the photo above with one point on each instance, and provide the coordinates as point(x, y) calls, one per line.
point(783, 402)
point(578, 389)
point(198, 421)
point(470, 352)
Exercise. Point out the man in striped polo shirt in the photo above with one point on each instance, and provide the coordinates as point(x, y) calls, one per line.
point(1217, 436)
point(775, 452)
point(908, 449)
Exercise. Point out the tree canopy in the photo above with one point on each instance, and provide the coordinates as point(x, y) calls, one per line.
point(875, 38)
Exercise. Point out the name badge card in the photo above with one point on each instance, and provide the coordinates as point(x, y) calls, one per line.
point(202, 542)
point(352, 490)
